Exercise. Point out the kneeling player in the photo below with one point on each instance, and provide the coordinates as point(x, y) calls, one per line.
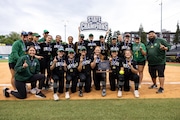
point(130, 72)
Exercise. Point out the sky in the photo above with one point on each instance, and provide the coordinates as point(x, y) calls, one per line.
point(122, 15)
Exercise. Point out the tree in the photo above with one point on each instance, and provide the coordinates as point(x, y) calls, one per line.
point(177, 35)
point(142, 34)
point(9, 39)
point(109, 36)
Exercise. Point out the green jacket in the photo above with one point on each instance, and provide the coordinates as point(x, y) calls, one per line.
point(155, 55)
point(18, 50)
point(137, 55)
point(24, 74)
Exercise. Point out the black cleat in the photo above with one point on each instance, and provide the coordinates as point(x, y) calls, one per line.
point(6, 94)
point(80, 93)
point(153, 86)
point(160, 90)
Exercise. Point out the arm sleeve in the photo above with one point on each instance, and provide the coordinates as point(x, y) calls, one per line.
point(15, 50)
point(19, 65)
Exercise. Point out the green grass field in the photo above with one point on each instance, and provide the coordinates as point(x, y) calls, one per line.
point(124, 109)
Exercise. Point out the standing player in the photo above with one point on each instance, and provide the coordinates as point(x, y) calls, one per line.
point(130, 72)
point(116, 66)
point(139, 55)
point(114, 45)
point(84, 69)
point(156, 56)
point(80, 44)
point(56, 45)
point(91, 46)
point(46, 52)
point(71, 73)
point(58, 67)
point(126, 45)
point(18, 50)
point(69, 46)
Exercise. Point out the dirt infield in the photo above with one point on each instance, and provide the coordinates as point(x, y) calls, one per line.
point(172, 87)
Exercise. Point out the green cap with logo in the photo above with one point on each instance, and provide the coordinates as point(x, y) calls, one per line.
point(83, 48)
point(46, 31)
point(36, 34)
point(71, 51)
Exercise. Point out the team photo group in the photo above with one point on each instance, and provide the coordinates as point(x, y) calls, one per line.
point(77, 68)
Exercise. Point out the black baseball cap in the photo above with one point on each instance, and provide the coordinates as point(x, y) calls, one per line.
point(101, 36)
point(151, 31)
point(24, 33)
point(91, 35)
point(136, 37)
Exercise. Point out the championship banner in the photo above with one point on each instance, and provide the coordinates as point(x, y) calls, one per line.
point(94, 23)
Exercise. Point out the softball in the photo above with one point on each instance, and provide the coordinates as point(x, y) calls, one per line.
point(121, 72)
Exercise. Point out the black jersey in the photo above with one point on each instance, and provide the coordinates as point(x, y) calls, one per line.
point(116, 64)
point(36, 45)
point(127, 69)
point(125, 46)
point(72, 66)
point(78, 46)
point(90, 48)
point(116, 47)
point(86, 65)
point(104, 48)
point(55, 47)
point(59, 67)
point(68, 47)
point(46, 50)
point(98, 60)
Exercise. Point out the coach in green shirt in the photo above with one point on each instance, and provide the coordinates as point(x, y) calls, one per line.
point(45, 34)
point(18, 50)
point(156, 56)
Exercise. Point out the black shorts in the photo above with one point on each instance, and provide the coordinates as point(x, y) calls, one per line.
point(12, 65)
point(153, 69)
point(142, 63)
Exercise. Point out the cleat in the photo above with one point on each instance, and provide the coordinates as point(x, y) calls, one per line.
point(40, 95)
point(67, 95)
point(80, 93)
point(119, 93)
point(104, 92)
point(136, 93)
point(6, 94)
point(153, 86)
point(55, 96)
point(160, 90)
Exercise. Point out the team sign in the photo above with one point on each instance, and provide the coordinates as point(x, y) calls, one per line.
point(94, 23)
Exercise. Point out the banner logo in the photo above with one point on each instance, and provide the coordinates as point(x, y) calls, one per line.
point(94, 23)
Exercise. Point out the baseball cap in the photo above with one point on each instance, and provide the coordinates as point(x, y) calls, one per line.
point(71, 51)
point(36, 34)
point(24, 33)
point(46, 31)
point(127, 35)
point(91, 35)
point(151, 31)
point(136, 37)
point(81, 35)
point(83, 48)
point(114, 38)
point(60, 49)
point(101, 36)
point(30, 33)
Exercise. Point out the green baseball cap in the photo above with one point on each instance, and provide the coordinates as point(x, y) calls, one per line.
point(46, 31)
point(83, 48)
point(71, 51)
point(91, 35)
point(60, 49)
point(36, 34)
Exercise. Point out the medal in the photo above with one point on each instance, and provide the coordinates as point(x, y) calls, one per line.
point(91, 47)
point(83, 67)
point(49, 53)
point(37, 52)
point(103, 51)
point(152, 46)
point(60, 68)
point(71, 70)
point(114, 67)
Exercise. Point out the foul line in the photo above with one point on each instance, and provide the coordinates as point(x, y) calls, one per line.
point(144, 83)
